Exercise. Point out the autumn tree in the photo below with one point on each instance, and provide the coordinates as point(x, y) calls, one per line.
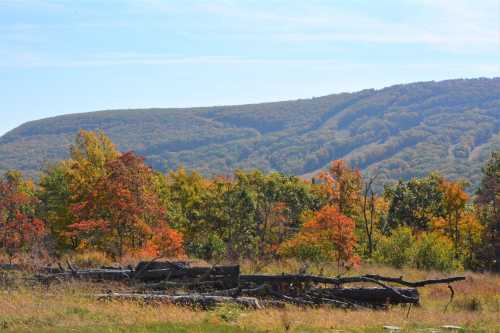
point(164, 242)
point(471, 231)
point(343, 186)
point(70, 182)
point(454, 200)
point(20, 230)
point(122, 212)
point(328, 235)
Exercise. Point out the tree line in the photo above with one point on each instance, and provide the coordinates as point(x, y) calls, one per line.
point(113, 205)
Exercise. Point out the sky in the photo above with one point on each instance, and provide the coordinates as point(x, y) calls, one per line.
point(59, 57)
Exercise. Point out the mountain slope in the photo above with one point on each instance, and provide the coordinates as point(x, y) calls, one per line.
point(403, 130)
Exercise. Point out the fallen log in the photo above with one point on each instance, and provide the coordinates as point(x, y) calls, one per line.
point(184, 285)
point(220, 272)
point(226, 275)
point(91, 274)
point(371, 296)
point(286, 278)
point(205, 301)
point(207, 286)
point(148, 265)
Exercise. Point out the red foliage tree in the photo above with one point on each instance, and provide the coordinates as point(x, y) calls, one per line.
point(20, 230)
point(122, 212)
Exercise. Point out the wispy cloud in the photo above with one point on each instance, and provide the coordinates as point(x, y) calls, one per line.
point(459, 25)
point(27, 60)
point(454, 26)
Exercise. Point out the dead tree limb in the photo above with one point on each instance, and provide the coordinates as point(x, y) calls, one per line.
point(415, 284)
point(287, 278)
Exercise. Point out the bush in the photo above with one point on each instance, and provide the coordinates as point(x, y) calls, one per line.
point(398, 249)
point(431, 250)
point(91, 259)
point(305, 250)
point(211, 248)
point(435, 251)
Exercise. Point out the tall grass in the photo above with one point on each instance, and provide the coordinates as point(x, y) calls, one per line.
point(68, 307)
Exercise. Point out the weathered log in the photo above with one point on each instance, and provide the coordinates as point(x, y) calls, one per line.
point(341, 297)
point(190, 272)
point(227, 275)
point(184, 285)
point(91, 274)
point(332, 302)
point(286, 278)
point(205, 301)
point(213, 284)
point(372, 296)
point(149, 265)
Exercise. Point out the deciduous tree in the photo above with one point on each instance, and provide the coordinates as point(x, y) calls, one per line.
point(343, 185)
point(122, 211)
point(329, 234)
point(20, 229)
point(416, 202)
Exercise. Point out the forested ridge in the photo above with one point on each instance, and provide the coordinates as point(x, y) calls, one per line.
point(398, 132)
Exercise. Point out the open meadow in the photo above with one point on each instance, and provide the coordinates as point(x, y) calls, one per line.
point(69, 307)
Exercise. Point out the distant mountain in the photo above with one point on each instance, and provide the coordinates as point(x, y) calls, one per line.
point(401, 131)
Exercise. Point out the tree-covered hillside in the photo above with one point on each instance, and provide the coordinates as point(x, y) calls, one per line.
point(399, 131)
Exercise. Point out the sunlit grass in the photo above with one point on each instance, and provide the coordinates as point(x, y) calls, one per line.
point(68, 307)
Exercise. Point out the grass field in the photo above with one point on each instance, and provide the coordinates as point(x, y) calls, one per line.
point(68, 308)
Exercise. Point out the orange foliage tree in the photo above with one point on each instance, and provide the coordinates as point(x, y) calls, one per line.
point(165, 242)
point(123, 213)
point(20, 230)
point(454, 201)
point(343, 186)
point(328, 235)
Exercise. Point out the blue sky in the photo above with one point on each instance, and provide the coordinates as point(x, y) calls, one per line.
point(59, 57)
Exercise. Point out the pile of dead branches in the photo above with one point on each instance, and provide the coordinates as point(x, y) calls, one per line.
point(179, 283)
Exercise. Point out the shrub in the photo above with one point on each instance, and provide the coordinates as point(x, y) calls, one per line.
point(305, 249)
point(435, 251)
point(211, 248)
point(397, 249)
point(328, 235)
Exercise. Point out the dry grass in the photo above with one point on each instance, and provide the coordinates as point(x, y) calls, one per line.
point(476, 307)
